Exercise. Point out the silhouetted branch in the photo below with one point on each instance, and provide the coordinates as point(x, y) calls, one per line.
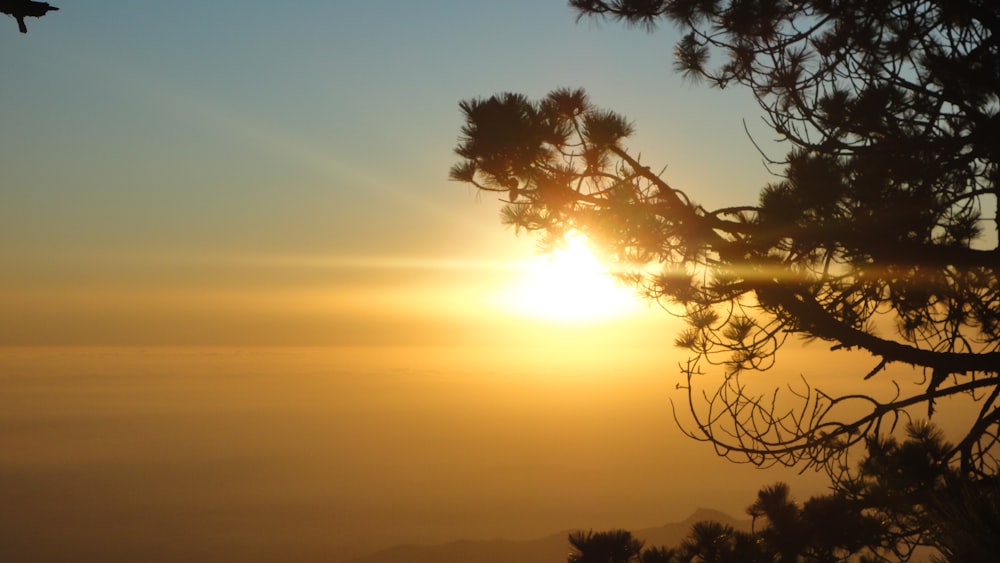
point(20, 9)
point(870, 239)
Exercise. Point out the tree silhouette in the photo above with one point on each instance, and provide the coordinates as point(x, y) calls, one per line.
point(712, 542)
point(615, 546)
point(784, 534)
point(966, 522)
point(877, 235)
point(903, 496)
point(915, 498)
point(20, 9)
point(826, 528)
point(658, 555)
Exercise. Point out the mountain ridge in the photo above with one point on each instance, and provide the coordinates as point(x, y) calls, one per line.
point(552, 548)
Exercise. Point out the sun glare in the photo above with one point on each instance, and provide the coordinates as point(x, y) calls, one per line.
point(569, 285)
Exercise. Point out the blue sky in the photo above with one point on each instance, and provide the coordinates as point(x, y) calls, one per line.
point(153, 146)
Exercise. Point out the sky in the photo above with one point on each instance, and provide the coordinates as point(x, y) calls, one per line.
point(244, 311)
point(260, 173)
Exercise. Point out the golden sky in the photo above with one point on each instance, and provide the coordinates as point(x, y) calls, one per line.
point(277, 454)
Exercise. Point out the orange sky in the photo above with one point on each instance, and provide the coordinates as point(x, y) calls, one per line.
point(308, 452)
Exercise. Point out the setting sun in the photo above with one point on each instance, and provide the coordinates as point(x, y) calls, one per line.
point(569, 285)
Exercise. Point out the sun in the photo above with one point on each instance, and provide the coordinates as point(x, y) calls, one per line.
point(569, 285)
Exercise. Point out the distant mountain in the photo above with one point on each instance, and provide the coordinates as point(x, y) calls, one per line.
point(550, 549)
point(670, 535)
